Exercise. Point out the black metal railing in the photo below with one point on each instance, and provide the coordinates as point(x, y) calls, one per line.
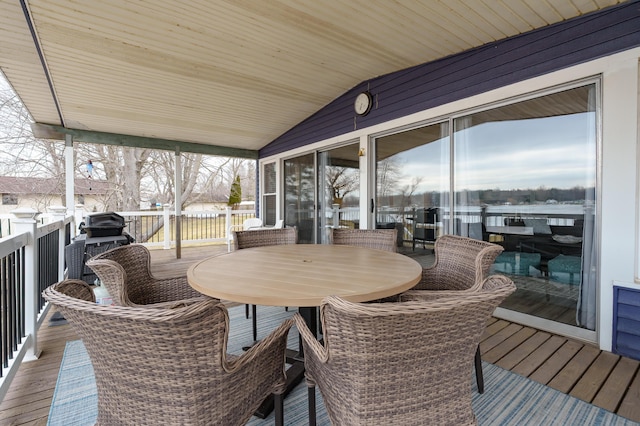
point(12, 304)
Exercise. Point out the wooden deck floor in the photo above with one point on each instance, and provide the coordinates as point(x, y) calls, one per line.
point(582, 370)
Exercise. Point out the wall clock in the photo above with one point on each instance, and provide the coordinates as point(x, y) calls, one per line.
point(363, 103)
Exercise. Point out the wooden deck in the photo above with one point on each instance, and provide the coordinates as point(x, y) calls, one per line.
point(582, 370)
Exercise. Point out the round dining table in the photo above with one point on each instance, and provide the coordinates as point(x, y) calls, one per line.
point(303, 275)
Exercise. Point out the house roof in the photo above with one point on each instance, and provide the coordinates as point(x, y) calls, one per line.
point(229, 77)
point(51, 186)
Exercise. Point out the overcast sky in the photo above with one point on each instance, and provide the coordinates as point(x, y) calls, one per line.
point(554, 152)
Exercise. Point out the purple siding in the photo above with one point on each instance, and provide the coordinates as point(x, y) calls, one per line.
point(626, 322)
point(472, 72)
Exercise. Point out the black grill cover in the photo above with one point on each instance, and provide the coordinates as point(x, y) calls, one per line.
point(103, 224)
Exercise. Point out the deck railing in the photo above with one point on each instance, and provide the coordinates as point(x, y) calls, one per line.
point(32, 258)
point(30, 261)
point(196, 227)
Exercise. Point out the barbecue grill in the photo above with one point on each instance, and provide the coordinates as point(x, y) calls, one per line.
point(107, 224)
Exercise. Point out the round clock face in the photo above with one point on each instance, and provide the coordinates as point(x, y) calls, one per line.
point(363, 103)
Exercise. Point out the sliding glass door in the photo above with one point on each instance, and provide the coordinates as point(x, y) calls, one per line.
point(522, 175)
point(299, 196)
point(525, 177)
point(413, 184)
point(339, 190)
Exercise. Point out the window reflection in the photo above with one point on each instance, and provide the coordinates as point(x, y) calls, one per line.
point(523, 176)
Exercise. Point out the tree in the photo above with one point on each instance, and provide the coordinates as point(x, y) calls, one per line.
point(341, 181)
point(134, 175)
point(235, 195)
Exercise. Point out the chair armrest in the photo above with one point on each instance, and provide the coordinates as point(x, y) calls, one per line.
point(266, 354)
point(312, 345)
point(174, 304)
point(429, 279)
point(429, 295)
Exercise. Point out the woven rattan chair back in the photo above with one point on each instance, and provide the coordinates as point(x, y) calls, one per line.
point(461, 263)
point(169, 366)
point(380, 239)
point(400, 363)
point(261, 238)
point(125, 271)
point(264, 237)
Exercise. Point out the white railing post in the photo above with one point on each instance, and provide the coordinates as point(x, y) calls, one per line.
point(228, 223)
point(60, 213)
point(26, 222)
point(166, 213)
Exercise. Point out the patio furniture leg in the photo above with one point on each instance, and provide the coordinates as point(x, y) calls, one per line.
point(254, 320)
point(311, 396)
point(279, 406)
point(246, 311)
point(479, 376)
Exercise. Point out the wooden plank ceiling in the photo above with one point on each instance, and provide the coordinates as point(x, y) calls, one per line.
point(234, 73)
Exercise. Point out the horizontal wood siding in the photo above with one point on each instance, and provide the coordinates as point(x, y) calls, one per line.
point(626, 322)
point(472, 72)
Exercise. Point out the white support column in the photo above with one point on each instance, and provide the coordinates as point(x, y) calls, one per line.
point(229, 223)
point(178, 202)
point(367, 192)
point(69, 172)
point(59, 213)
point(167, 229)
point(26, 222)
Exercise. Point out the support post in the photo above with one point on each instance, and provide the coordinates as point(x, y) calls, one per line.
point(178, 203)
point(70, 190)
point(167, 228)
point(229, 223)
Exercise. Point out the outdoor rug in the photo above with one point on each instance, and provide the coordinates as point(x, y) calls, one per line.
point(509, 399)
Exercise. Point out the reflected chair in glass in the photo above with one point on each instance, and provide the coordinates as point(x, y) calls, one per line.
point(380, 239)
point(170, 366)
point(461, 264)
point(399, 363)
point(425, 227)
point(260, 238)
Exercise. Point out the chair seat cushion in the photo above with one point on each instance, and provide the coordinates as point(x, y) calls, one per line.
point(562, 268)
point(516, 263)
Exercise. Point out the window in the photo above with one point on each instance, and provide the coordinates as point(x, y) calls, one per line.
point(9, 199)
point(269, 194)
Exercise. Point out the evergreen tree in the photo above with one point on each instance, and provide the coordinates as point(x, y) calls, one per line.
point(235, 196)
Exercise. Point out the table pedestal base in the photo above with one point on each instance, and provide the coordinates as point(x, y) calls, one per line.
point(295, 374)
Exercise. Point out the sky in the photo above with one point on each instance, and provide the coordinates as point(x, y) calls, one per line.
point(552, 152)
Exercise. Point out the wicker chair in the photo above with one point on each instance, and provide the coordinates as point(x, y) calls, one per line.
point(125, 272)
point(169, 366)
point(381, 239)
point(260, 238)
point(461, 264)
point(399, 363)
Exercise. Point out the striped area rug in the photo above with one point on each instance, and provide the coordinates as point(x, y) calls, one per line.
point(509, 399)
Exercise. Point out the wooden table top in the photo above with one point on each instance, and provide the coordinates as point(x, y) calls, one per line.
point(304, 274)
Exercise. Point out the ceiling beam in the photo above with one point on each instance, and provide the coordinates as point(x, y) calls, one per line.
point(50, 131)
